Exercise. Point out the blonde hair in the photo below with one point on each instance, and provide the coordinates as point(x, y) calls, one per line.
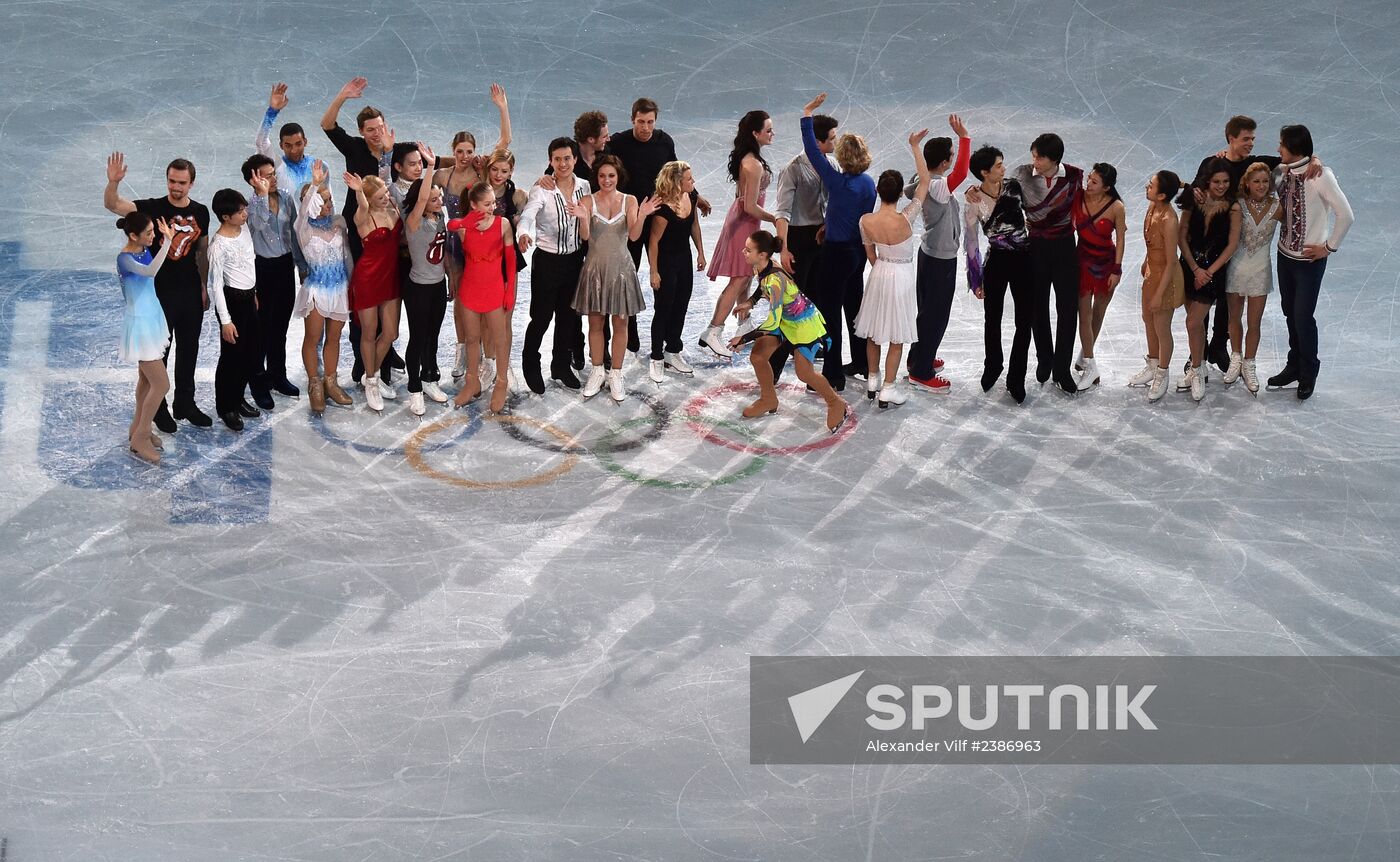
point(1257, 168)
point(501, 155)
point(852, 154)
point(372, 186)
point(668, 182)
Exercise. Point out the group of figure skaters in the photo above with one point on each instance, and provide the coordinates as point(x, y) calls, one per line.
point(419, 233)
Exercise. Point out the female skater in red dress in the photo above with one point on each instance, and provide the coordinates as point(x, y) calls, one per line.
point(1099, 219)
point(487, 291)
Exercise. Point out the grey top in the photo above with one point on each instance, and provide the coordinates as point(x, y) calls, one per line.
point(801, 194)
point(942, 220)
point(425, 247)
point(273, 233)
point(398, 190)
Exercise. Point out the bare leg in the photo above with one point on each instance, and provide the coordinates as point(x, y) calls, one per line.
point(1101, 302)
point(760, 357)
point(157, 384)
point(728, 297)
point(488, 335)
point(892, 366)
point(388, 331)
point(1149, 325)
point(330, 353)
point(1236, 306)
point(1256, 316)
point(369, 327)
point(471, 384)
point(498, 340)
point(142, 384)
point(1086, 325)
point(595, 340)
point(618, 346)
point(872, 360)
point(1162, 326)
point(1196, 330)
point(835, 407)
point(310, 340)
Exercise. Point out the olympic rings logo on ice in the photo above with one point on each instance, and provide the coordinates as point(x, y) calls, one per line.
point(413, 451)
point(617, 439)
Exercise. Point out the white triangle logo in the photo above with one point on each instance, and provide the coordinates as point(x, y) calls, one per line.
point(811, 707)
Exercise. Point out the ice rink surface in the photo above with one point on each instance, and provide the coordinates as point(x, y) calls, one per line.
point(324, 640)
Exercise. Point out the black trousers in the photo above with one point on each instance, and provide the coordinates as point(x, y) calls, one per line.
point(1299, 284)
point(839, 284)
point(240, 361)
point(184, 315)
point(277, 289)
point(1008, 269)
point(672, 301)
point(425, 305)
point(802, 242)
point(1054, 264)
point(553, 281)
point(935, 283)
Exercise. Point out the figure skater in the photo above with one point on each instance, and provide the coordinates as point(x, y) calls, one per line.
point(374, 285)
point(751, 175)
point(1101, 222)
point(487, 291)
point(144, 333)
point(607, 285)
point(323, 300)
point(1162, 284)
point(889, 311)
point(792, 319)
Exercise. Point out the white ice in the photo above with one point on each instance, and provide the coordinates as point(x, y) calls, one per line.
point(293, 645)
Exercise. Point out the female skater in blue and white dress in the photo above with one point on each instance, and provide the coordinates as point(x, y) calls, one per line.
point(323, 299)
point(144, 332)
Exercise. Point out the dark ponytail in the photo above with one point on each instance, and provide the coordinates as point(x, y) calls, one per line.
point(134, 222)
point(890, 186)
point(1109, 174)
point(766, 243)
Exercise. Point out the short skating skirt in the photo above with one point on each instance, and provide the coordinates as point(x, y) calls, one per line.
point(484, 298)
point(1093, 278)
point(369, 292)
point(616, 293)
point(144, 332)
point(1254, 281)
point(1175, 293)
point(889, 311)
point(1213, 290)
point(728, 259)
point(326, 294)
